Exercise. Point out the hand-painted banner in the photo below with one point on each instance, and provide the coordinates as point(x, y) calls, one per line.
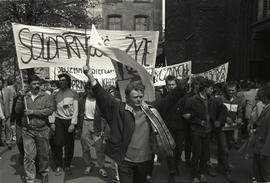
point(38, 46)
point(178, 70)
point(217, 74)
point(106, 77)
point(126, 67)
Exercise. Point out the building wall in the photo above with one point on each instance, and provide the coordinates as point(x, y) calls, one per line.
point(260, 49)
point(128, 9)
point(209, 32)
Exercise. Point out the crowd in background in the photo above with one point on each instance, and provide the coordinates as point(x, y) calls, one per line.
point(227, 115)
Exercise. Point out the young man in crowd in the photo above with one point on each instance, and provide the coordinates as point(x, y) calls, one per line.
point(131, 126)
point(92, 126)
point(234, 116)
point(205, 114)
point(175, 124)
point(35, 132)
point(16, 122)
point(66, 114)
point(261, 160)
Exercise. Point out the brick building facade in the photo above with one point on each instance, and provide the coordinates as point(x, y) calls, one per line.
point(132, 15)
point(210, 32)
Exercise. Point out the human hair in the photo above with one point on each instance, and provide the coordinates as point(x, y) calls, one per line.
point(10, 80)
point(134, 85)
point(54, 83)
point(2, 79)
point(67, 77)
point(170, 78)
point(110, 88)
point(87, 85)
point(204, 83)
point(230, 84)
point(266, 90)
point(33, 78)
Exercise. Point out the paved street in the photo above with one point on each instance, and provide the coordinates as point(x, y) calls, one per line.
point(12, 172)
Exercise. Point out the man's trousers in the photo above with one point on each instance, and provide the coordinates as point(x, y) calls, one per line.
point(63, 138)
point(36, 146)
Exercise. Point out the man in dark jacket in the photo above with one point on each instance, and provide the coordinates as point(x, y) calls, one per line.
point(176, 125)
point(234, 116)
point(205, 114)
point(261, 161)
point(129, 140)
point(35, 132)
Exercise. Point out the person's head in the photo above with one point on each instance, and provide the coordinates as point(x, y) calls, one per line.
point(265, 93)
point(258, 96)
point(64, 81)
point(88, 90)
point(34, 84)
point(44, 85)
point(54, 85)
point(171, 82)
point(10, 81)
point(195, 84)
point(111, 90)
point(230, 89)
point(205, 86)
point(2, 82)
point(135, 93)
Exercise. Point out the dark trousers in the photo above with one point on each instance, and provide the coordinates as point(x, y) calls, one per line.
point(223, 150)
point(130, 172)
point(63, 138)
point(200, 154)
point(19, 140)
point(188, 142)
point(261, 168)
point(179, 138)
point(1, 130)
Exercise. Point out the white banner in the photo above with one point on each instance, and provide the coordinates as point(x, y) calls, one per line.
point(178, 70)
point(217, 74)
point(38, 46)
point(106, 77)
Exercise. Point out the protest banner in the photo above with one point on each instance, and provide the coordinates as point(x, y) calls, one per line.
point(217, 74)
point(106, 77)
point(38, 46)
point(178, 70)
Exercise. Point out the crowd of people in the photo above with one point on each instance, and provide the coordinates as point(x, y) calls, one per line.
point(186, 119)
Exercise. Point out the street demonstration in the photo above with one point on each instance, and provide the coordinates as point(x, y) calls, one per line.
point(136, 91)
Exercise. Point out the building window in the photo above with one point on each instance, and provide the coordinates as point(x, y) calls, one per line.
point(141, 23)
point(114, 22)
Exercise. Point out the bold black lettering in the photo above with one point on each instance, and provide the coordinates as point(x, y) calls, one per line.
point(36, 57)
point(58, 48)
point(26, 46)
point(145, 52)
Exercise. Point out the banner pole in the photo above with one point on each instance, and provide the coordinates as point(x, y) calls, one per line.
point(25, 104)
point(87, 49)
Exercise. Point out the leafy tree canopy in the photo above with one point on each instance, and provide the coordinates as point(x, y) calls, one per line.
point(55, 13)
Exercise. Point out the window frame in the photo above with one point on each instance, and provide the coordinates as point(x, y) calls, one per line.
point(141, 16)
point(114, 16)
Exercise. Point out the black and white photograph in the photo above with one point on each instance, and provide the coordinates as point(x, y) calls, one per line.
point(134, 91)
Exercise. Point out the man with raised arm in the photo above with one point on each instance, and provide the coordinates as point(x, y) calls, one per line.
point(134, 125)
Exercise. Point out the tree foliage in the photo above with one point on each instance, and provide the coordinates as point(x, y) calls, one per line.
point(55, 13)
